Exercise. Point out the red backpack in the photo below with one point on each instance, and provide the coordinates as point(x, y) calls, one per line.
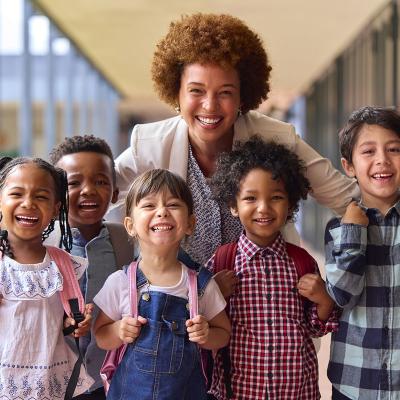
point(224, 258)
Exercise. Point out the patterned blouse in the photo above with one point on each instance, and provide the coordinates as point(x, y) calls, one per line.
point(215, 225)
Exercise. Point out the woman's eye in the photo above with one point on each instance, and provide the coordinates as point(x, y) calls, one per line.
point(249, 198)
point(394, 150)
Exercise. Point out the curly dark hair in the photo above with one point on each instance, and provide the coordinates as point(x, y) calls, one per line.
point(8, 165)
point(85, 143)
point(212, 39)
point(283, 164)
point(387, 118)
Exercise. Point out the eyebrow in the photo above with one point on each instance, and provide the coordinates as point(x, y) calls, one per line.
point(373, 142)
point(202, 84)
point(37, 190)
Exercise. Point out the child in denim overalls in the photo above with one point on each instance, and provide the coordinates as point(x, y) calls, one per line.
point(162, 360)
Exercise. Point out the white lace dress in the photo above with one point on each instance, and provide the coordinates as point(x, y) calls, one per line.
point(35, 360)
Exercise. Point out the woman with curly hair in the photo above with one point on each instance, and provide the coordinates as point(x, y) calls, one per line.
point(279, 301)
point(214, 71)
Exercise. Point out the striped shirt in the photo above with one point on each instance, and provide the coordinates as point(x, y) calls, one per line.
point(363, 277)
point(271, 350)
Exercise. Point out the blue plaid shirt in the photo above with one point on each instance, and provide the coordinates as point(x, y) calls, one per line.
point(363, 277)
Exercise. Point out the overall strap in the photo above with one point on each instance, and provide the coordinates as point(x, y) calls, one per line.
point(304, 263)
point(193, 297)
point(71, 294)
point(224, 257)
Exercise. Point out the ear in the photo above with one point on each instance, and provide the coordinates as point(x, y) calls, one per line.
point(234, 211)
point(130, 226)
point(114, 197)
point(191, 224)
point(348, 168)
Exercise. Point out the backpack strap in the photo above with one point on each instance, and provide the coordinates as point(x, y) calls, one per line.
point(224, 257)
point(73, 304)
point(122, 243)
point(193, 297)
point(304, 263)
point(71, 295)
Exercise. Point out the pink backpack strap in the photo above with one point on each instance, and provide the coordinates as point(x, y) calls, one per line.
point(133, 289)
point(71, 289)
point(193, 296)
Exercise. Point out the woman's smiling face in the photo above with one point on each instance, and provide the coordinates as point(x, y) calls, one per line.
point(209, 99)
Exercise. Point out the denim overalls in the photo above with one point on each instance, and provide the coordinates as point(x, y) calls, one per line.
point(162, 363)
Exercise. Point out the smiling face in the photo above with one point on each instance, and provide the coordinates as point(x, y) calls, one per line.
point(27, 204)
point(159, 220)
point(209, 99)
point(90, 187)
point(376, 165)
point(262, 206)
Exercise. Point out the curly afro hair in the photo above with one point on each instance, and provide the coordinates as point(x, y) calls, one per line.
point(78, 144)
point(283, 164)
point(212, 39)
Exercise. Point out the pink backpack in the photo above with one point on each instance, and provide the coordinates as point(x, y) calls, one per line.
point(114, 357)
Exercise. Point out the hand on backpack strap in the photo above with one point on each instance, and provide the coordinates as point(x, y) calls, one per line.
point(84, 326)
point(129, 328)
point(312, 287)
point(226, 281)
point(198, 329)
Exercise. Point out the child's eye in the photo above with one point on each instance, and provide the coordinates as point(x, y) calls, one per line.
point(147, 205)
point(249, 198)
point(173, 205)
point(367, 151)
point(73, 183)
point(394, 149)
point(277, 197)
point(101, 182)
point(14, 194)
point(42, 197)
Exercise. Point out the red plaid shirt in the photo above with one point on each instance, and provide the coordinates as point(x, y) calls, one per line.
point(272, 354)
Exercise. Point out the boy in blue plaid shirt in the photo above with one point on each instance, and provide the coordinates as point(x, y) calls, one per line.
point(363, 261)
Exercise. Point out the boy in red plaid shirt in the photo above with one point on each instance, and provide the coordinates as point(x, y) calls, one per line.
point(274, 314)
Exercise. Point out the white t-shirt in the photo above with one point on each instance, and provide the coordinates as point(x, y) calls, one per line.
point(113, 298)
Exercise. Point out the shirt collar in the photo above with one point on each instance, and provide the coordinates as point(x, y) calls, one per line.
point(250, 249)
point(79, 240)
point(371, 210)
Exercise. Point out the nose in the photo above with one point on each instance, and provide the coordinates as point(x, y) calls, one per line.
point(162, 211)
point(263, 206)
point(27, 202)
point(87, 188)
point(210, 102)
point(382, 157)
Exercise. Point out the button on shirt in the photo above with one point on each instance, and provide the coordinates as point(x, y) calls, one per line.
point(271, 350)
point(363, 276)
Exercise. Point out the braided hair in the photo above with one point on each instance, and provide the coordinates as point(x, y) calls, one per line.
point(8, 165)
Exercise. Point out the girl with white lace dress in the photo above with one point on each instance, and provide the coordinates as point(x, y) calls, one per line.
point(35, 360)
